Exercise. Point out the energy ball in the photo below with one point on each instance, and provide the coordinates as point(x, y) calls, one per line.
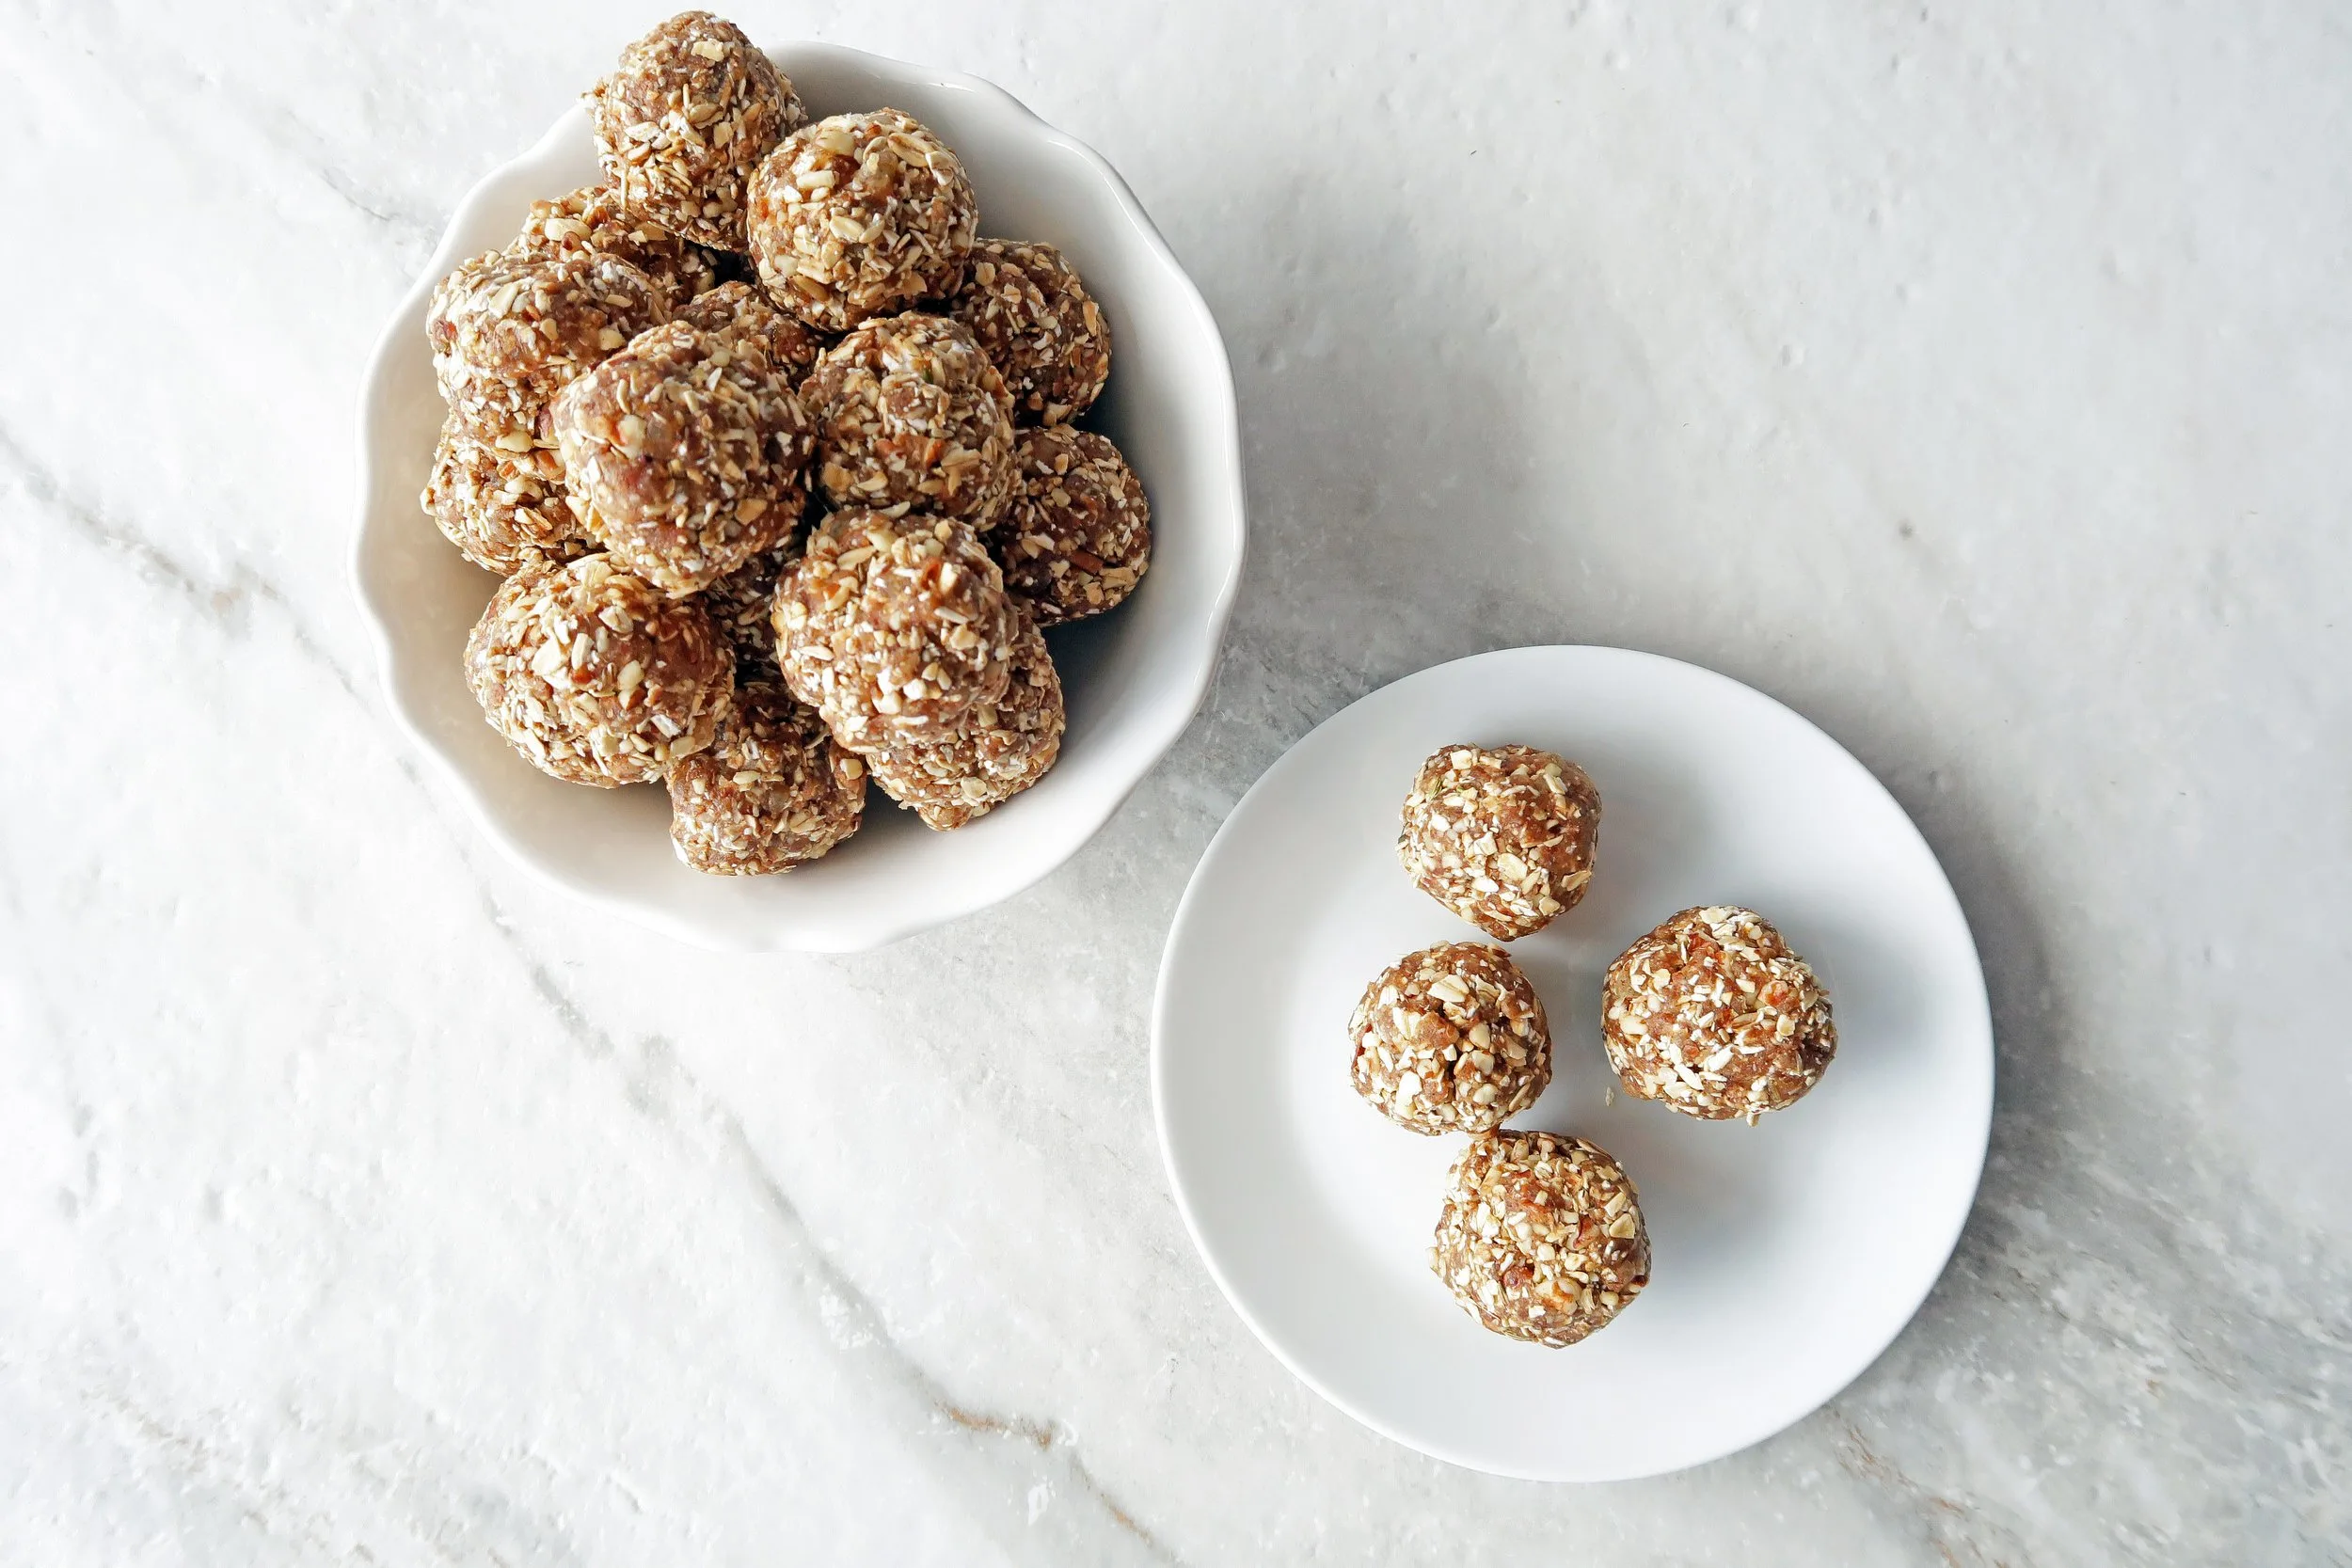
point(595, 678)
point(895, 629)
point(1501, 835)
point(738, 307)
point(771, 792)
point(1001, 748)
point(861, 215)
point(1075, 536)
point(1712, 1016)
point(1451, 1039)
point(684, 453)
point(505, 509)
point(511, 331)
point(685, 119)
point(743, 606)
point(910, 414)
point(593, 219)
point(1541, 1237)
point(1039, 326)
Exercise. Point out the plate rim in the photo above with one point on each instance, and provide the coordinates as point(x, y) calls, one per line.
point(1979, 1019)
point(856, 930)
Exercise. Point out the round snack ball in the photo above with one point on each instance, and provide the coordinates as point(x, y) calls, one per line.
point(1712, 1016)
point(593, 219)
point(1451, 1039)
point(894, 628)
point(509, 331)
point(739, 307)
point(860, 215)
point(684, 453)
point(593, 677)
point(1001, 748)
point(1075, 536)
point(1541, 1237)
point(505, 509)
point(683, 119)
point(909, 413)
point(1039, 326)
point(771, 792)
point(1502, 835)
point(743, 606)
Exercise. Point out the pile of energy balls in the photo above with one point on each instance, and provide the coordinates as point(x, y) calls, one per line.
point(756, 322)
point(1541, 1236)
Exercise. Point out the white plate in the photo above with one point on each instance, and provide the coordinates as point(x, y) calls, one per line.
point(1132, 678)
point(1787, 1254)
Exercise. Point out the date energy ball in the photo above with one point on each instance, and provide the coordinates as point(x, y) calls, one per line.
point(910, 414)
point(861, 215)
point(1039, 326)
point(595, 678)
point(1501, 835)
point(771, 792)
point(895, 629)
point(1075, 535)
point(592, 218)
point(1541, 1237)
point(1000, 749)
point(683, 119)
point(511, 331)
point(1451, 1039)
point(684, 453)
point(739, 307)
point(743, 606)
point(505, 509)
point(1712, 1016)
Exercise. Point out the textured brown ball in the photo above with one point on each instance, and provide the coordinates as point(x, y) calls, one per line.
point(895, 629)
point(743, 606)
point(683, 119)
point(592, 218)
point(1039, 326)
point(1502, 835)
point(861, 215)
point(1711, 1015)
point(1000, 749)
point(1541, 1237)
point(1074, 537)
point(509, 331)
point(1451, 1039)
point(505, 509)
point(739, 307)
point(684, 453)
point(771, 792)
point(910, 414)
point(595, 678)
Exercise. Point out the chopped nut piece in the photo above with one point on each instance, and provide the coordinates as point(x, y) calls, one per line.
point(1712, 1016)
point(584, 702)
point(1502, 836)
point(1541, 1237)
point(1451, 1039)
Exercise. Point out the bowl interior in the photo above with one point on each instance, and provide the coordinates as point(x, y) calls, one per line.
point(1132, 679)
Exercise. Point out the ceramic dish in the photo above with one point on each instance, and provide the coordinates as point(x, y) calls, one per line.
point(1132, 678)
point(1786, 1256)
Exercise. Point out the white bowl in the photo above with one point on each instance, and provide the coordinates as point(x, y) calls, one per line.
point(1133, 678)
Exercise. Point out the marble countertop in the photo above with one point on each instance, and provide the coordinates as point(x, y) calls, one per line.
point(1972, 378)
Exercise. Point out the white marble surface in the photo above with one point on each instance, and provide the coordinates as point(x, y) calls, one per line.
point(1972, 378)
